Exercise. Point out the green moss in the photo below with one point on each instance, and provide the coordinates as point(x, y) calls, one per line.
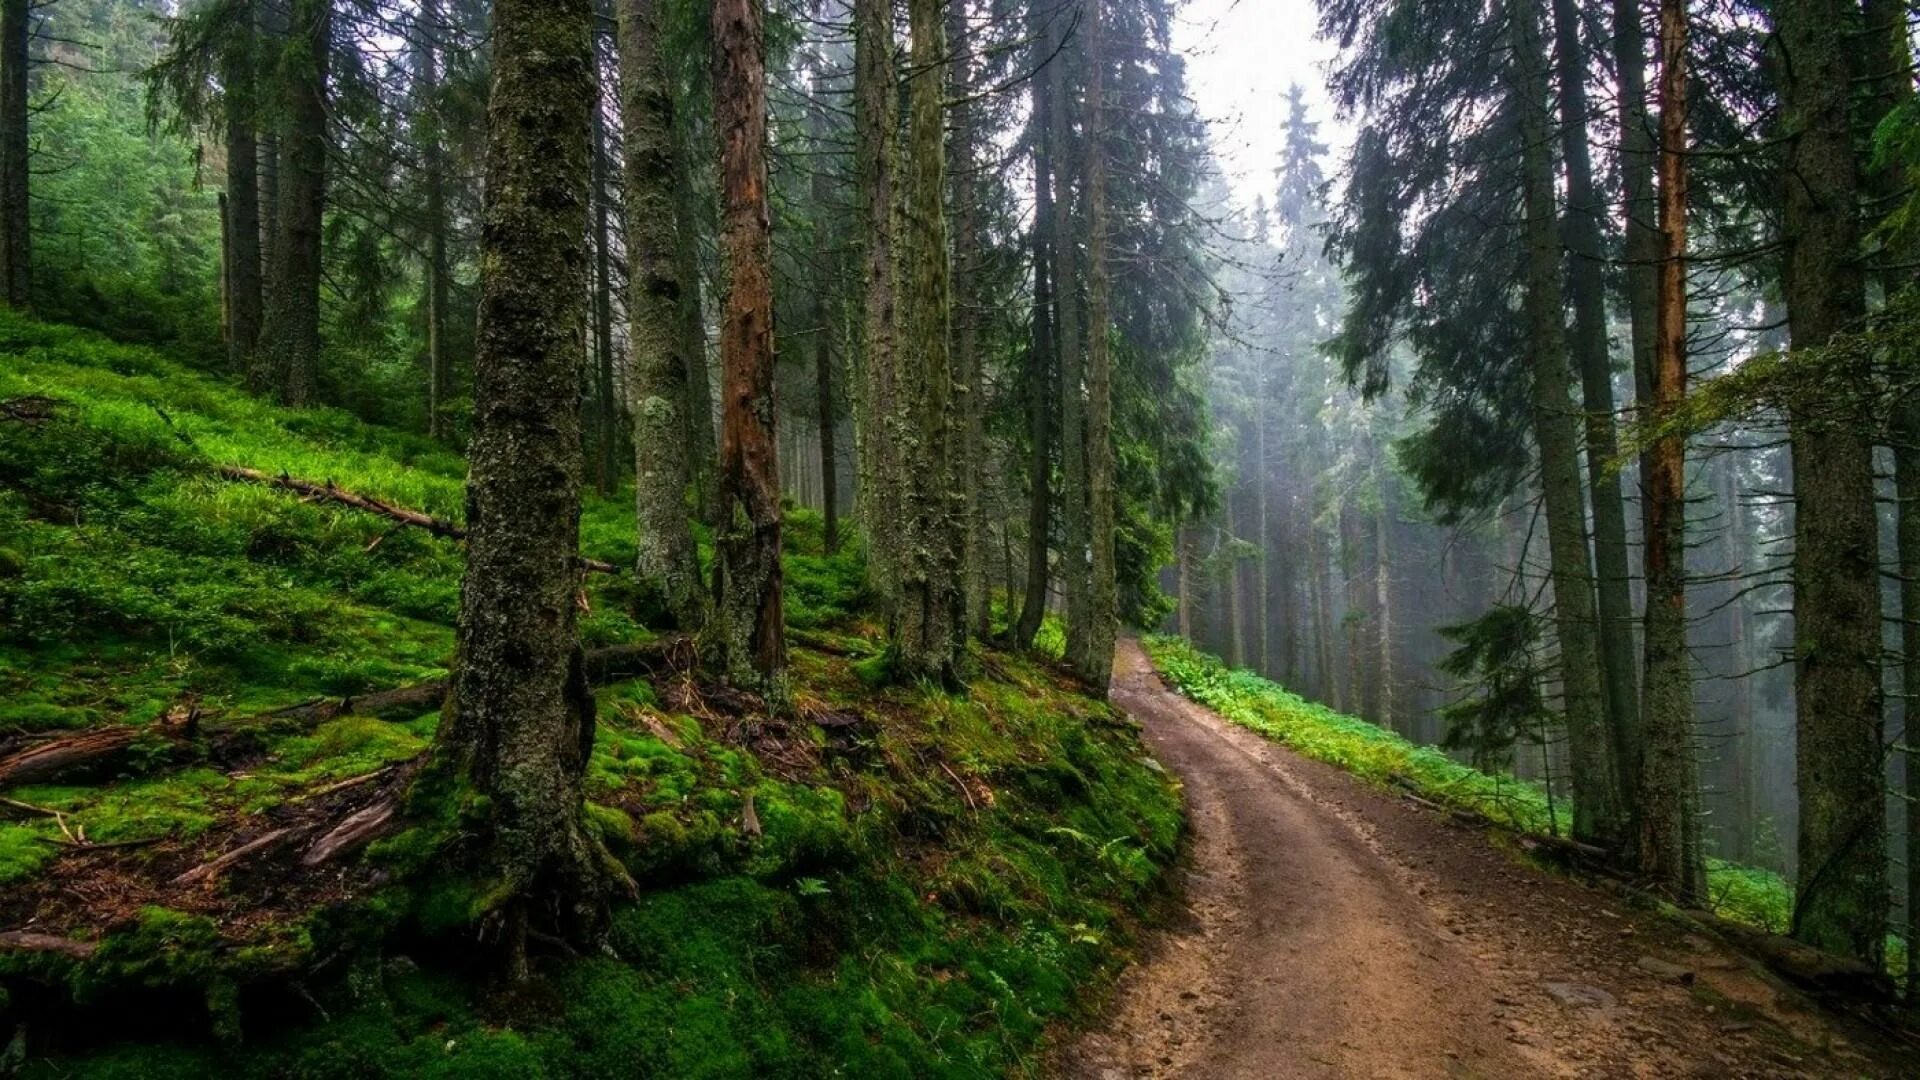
point(24, 849)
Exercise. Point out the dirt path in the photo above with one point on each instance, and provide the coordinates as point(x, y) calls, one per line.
point(1332, 930)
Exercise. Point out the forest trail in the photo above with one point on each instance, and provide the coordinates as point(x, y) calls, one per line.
point(1330, 929)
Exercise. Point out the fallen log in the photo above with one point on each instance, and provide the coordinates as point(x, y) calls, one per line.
point(213, 867)
point(358, 828)
point(96, 749)
point(28, 941)
point(329, 492)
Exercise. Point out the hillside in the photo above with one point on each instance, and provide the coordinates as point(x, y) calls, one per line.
point(894, 880)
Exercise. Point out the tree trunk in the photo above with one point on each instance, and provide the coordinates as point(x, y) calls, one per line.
point(1383, 597)
point(1183, 552)
point(434, 159)
point(16, 260)
point(874, 135)
point(1840, 895)
point(826, 249)
point(1263, 538)
point(288, 357)
point(242, 196)
point(752, 637)
point(1103, 611)
point(1580, 230)
point(1230, 590)
point(1041, 387)
point(1075, 508)
point(661, 395)
point(1669, 832)
point(1597, 812)
point(972, 448)
point(703, 453)
point(606, 412)
point(519, 723)
point(924, 625)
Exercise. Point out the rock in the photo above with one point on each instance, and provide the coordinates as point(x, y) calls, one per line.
point(1578, 995)
point(1664, 969)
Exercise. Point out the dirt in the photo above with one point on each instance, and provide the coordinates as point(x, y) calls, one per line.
point(1331, 929)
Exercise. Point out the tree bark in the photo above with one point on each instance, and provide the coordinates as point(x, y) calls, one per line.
point(16, 240)
point(751, 632)
point(875, 133)
point(519, 725)
point(1597, 811)
point(433, 159)
point(923, 625)
point(1580, 230)
point(1669, 850)
point(1041, 384)
point(243, 194)
point(962, 178)
point(1075, 505)
point(288, 357)
point(826, 249)
point(1840, 895)
point(606, 411)
point(1103, 612)
point(661, 394)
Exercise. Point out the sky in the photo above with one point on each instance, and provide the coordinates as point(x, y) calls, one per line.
point(1241, 57)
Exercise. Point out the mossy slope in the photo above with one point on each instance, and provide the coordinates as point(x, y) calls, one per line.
point(920, 883)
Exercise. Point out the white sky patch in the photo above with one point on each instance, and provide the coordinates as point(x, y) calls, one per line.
point(1241, 57)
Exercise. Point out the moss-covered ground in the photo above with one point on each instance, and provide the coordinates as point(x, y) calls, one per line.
point(1743, 894)
point(895, 881)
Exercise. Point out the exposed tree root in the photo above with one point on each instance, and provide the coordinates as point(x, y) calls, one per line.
point(206, 871)
point(327, 492)
point(28, 941)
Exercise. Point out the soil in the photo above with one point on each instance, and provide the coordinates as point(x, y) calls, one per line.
point(1332, 929)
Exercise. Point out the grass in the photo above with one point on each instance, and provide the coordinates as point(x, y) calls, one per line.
point(1745, 894)
point(931, 891)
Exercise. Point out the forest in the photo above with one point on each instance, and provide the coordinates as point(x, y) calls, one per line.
point(798, 537)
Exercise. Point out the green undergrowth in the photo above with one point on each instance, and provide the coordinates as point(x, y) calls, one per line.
point(1744, 894)
point(928, 891)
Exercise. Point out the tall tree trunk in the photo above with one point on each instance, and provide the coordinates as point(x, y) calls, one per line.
point(16, 243)
point(288, 357)
point(434, 159)
point(703, 453)
point(1041, 385)
point(1840, 894)
point(1183, 551)
point(1262, 527)
point(752, 636)
point(1104, 607)
point(874, 137)
point(606, 412)
point(1669, 833)
point(924, 629)
point(242, 195)
point(1230, 590)
point(519, 725)
point(1597, 811)
point(826, 247)
point(1580, 230)
point(661, 394)
point(1075, 508)
point(967, 374)
point(1383, 597)
point(1318, 587)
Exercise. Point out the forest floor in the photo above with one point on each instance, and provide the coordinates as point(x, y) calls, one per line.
point(1334, 929)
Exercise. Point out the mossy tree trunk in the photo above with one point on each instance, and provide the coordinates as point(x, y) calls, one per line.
point(243, 193)
point(970, 472)
point(606, 411)
point(1669, 845)
point(16, 260)
point(662, 397)
point(1580, 231)
point(1597, 811)
point(1103, 612)
point(874, 98)
point(751, 635)
point(1840, 898)
point(824, 306)
point(923, 620)
point(288, 357)
point(520, 717)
